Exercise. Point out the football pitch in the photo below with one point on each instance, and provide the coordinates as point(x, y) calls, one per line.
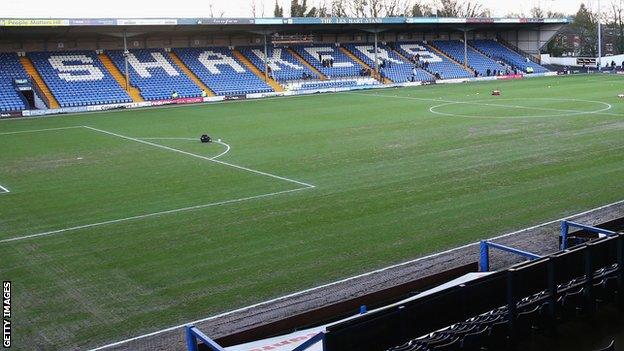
point(121, 223)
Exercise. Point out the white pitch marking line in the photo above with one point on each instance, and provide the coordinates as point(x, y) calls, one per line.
point(346, 279)
point(167, 138)
point(39, 130)
point(4, 190)
point(227, 147)
point(155, 214)
point(201, 157)
point(601, 112)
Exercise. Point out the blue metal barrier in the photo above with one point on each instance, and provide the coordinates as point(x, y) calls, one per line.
point(565, 230)
point(193, 335)
point(484, 257)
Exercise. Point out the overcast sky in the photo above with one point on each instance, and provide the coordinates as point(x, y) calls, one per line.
point(230, 8)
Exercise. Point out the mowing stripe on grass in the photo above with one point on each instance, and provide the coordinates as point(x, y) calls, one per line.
point(347, 279)
point(212, 159)
point(148, 215)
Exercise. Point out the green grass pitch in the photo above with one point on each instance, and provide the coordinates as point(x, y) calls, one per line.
point(144, 229)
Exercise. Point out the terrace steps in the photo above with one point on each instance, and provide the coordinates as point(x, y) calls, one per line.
point(134, 93)
point(190, 74)
point(441, 53)
point(305, 63)
point(36, 77)
point(363, 64)
point(271, 82)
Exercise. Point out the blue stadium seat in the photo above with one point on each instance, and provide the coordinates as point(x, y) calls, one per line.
point(437, 63)
point(396, 68)
point(219, 69)
point(284, 66)
point(10, 69)
point(477, 61)
point(154, 74)
point(315, 54)
point(500, 52)
point(78, 78)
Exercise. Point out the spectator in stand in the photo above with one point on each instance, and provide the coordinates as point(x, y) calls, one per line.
point(204, 93)
point(488, 72)
point(175, 95)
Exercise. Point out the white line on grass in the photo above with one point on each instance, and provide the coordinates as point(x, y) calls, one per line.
point(39, 130)
point(345, 280)
point(155, 214)
point(227, 147)
point(4, 190)
point(201, 157)
point(598, 112)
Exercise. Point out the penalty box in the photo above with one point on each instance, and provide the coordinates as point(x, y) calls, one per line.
point(65, 179)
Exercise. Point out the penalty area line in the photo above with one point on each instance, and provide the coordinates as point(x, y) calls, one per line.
point(148, 215)
point(211, 159)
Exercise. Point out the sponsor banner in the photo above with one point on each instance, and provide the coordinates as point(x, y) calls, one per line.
point(451, 81)
point(11, 114)
point(25, 22)
point(235, 97)
point(180, 101)
point(479, 20)
point(230, 21)
point(213, 98)
point(92, 22)
point(147, 22)
point(263, 95)
point(510, 77)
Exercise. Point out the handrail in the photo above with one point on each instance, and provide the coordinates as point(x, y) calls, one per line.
point(484, 257)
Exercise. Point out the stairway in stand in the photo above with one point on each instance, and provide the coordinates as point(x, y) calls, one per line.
point(134, 93)
point(271, 82)
point(305, 63)
point(36, 77)
point(439, 52)
point(363, 64)
point(190, 74)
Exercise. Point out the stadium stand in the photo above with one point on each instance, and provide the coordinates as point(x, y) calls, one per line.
point(78, 78)
point(343, 66)
point(154, 74)
point(283, 65)
point(395, 68)
point(219, 69)
point(437, 63)
point(500, 52)
point(11, 69)
point(476, 60)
